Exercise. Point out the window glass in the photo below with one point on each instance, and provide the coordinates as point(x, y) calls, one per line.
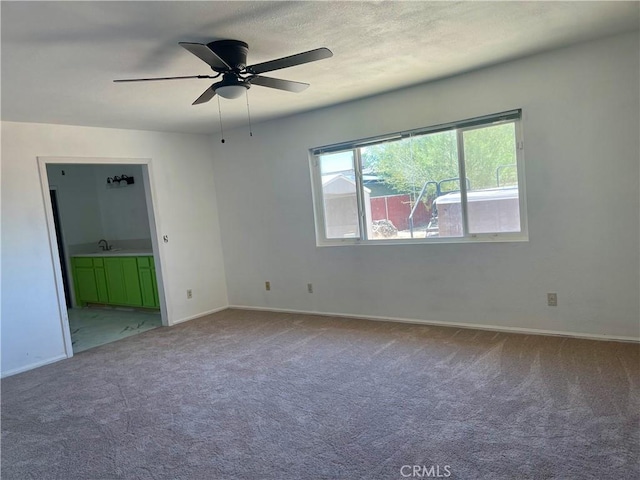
point(490, 162)
point(405, 177)
point(459, 180)
point(339, 195)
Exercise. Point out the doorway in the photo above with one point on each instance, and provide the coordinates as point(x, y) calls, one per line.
point(83, 208)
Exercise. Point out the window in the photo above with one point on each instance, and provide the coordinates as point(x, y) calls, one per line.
point(407, 187)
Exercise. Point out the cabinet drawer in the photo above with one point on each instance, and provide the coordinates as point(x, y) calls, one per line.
point(98, 262)
point(83, 262)
point(145, 262)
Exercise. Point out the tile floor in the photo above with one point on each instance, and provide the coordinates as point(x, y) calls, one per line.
point(93, 326)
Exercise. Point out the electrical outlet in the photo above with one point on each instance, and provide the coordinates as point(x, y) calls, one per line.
point(310, 287)
point(267, 286)
point(189, 293)
point(552, 299)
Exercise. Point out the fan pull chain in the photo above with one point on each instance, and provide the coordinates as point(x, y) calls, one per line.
point(246, 92)
point(220, 114)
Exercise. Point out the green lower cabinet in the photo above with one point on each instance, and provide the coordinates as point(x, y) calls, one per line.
point(146, 286)
point(123, 283)
point(89, 280)
point(101, 284)
point(86, 288)
point(126, 281)
point(148, 283)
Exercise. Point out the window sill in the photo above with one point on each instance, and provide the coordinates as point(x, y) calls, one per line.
point(502, 238)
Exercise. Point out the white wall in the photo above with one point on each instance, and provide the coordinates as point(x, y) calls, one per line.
point(90, 211)
point(581, 122)
point(123, 210)
point(78, 204)
point(185, 203)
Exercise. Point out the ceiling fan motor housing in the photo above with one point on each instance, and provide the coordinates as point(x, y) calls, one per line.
point(228, 58)
point(234, 52)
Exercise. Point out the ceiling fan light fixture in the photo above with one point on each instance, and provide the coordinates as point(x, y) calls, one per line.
point(229, 59)
point(232, 91)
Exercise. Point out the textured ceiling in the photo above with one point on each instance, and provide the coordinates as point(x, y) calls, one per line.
point(59, 58)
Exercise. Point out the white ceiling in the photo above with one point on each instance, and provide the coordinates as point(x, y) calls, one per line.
point(59, 58)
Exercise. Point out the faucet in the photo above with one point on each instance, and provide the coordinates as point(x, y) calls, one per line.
point(106, 245)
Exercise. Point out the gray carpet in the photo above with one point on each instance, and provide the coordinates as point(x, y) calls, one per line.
point(254, 395)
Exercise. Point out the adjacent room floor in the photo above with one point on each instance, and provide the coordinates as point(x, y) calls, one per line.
point(264, 395)
point(94, 326)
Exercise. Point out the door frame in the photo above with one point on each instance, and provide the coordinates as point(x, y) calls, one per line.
point(150, 195)
point(61, 241)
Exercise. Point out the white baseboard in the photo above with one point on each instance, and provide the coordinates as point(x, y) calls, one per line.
point(494, 328)
point(199, 315)
point(31, 366)
point(474, 326)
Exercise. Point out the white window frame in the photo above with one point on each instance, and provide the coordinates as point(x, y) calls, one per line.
point(512, 116)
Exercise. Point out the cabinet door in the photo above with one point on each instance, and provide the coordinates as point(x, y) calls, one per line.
point(146, 287)
point(131, 281)
point(101, 279)
point(85, 283)
point(101, 285)
point(89, 280)
point(115, 280)
point(123, 282)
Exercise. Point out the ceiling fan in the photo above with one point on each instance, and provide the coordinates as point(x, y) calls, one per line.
point(228, 58)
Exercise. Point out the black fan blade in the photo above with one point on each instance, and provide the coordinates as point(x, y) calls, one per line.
point(208, 94)
point(292, 61)
point(287, 85)
point(205, 54)
point(163, 78)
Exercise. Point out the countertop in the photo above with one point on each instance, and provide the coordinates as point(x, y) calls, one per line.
point(117, 252)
